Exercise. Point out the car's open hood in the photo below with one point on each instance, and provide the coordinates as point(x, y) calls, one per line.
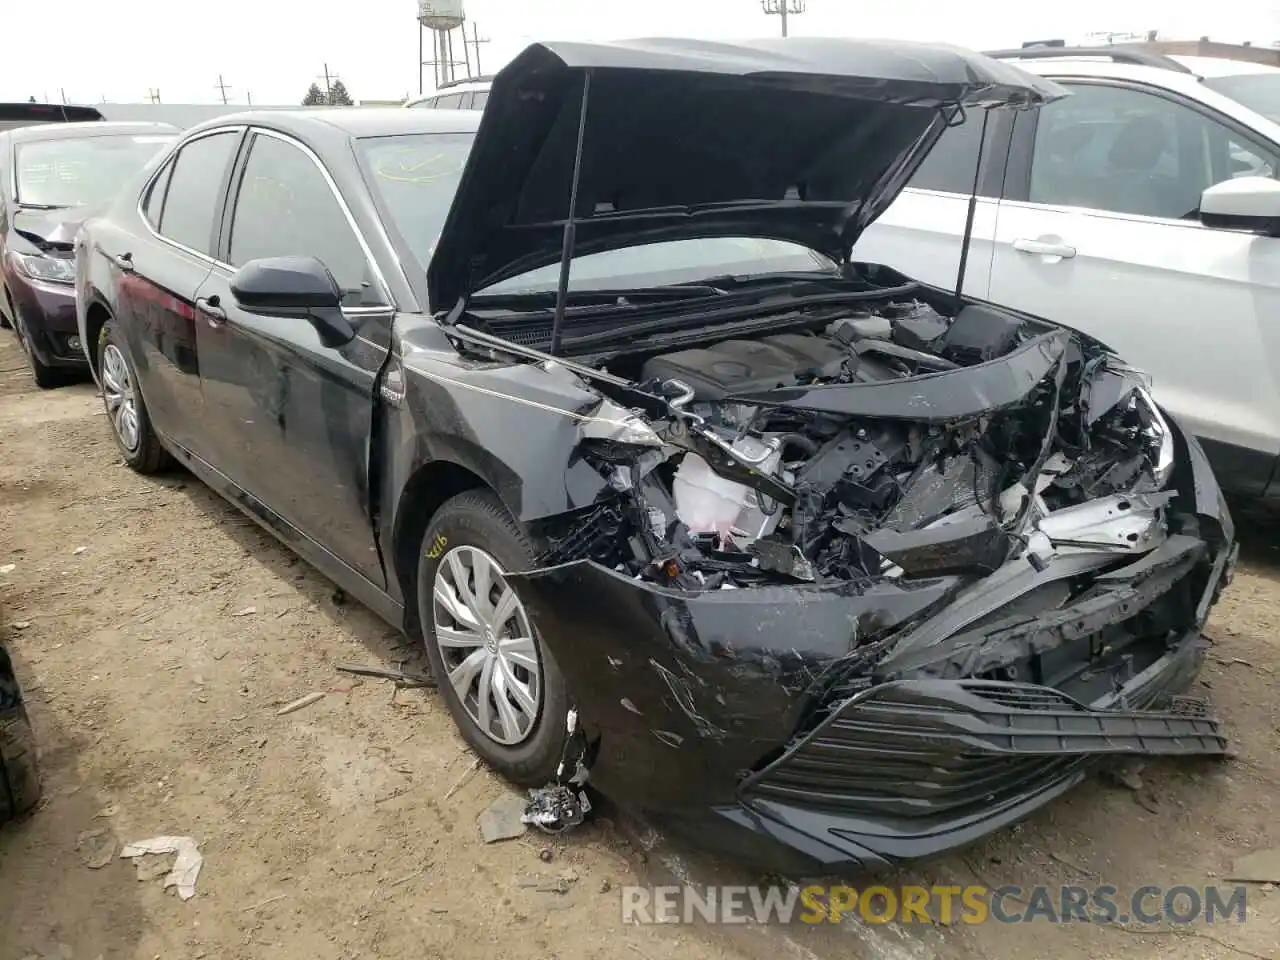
point(803, 139)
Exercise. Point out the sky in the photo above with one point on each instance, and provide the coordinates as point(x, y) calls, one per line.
point(272, 50)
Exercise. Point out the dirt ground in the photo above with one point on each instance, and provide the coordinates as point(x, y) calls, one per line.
point(158, 634)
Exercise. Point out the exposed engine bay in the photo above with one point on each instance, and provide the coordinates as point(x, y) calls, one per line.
point(890, 441)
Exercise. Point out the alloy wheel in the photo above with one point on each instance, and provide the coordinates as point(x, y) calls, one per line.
point(120, 397)
point(486, 645)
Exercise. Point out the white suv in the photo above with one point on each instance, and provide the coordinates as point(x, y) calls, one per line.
point(1143, 210)
point(468, 94)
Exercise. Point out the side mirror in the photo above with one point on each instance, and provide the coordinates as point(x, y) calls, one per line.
point(1245, 203)
point(299, 287)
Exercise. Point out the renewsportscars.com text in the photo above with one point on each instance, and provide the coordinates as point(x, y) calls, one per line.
point(816, 903)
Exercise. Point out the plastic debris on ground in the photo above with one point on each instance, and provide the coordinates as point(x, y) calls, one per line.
point(403, 678)
point(503, 819)
point(186, 867)
point(1261, 866)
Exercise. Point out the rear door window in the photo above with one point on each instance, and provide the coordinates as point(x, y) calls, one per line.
point(194, 189)
point(949, 167)
point(451, 101)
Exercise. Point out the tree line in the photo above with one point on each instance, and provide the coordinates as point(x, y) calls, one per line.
point(337, 96)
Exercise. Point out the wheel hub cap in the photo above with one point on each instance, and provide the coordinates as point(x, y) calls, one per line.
point(486, 645)
point(120, 398)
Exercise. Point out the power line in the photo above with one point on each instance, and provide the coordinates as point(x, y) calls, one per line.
point(474, 43)
point(329, 80)
point(782, 9)
point(222, 88)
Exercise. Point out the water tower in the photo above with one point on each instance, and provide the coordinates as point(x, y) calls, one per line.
point(441, 17)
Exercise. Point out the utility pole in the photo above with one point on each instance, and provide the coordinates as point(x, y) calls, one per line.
point(248, 95)
point(782, 9)
point(153, 95)
point(474, 43)
point(222, 88)
point(329, 79)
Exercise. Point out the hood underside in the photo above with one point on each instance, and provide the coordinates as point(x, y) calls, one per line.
point(805, 139)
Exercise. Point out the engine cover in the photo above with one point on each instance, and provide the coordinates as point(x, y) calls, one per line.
point(740, 366)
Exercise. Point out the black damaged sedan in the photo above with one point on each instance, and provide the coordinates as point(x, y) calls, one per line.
point(826, 565)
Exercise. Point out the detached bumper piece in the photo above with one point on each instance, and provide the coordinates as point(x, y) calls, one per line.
point(917, 767)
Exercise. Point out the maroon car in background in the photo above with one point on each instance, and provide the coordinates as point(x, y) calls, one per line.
point(53, 176)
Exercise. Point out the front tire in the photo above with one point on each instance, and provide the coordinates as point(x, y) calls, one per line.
point(130, 423)
point(500, 683)
point(45, 376)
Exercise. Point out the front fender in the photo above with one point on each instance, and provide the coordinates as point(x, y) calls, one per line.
point(515, 426)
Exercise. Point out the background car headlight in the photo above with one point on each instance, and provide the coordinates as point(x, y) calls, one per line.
point(49, 269)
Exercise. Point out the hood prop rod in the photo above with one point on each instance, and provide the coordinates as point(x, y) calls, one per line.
point(971, 212)
point(571, 225)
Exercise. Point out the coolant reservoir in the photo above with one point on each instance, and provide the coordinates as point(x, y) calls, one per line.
point(708, 503)
point(705, 501)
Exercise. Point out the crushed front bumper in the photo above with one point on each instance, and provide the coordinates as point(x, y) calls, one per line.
point(48, 312)
point(800, 728)
point(914, 768)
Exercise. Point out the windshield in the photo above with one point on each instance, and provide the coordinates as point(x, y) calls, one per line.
point(416, 177)
point(73, 172)
point(1260, 92)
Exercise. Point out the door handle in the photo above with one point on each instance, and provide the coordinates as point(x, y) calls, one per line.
point(1044, 248)
point(124, 261)
point(213, 313)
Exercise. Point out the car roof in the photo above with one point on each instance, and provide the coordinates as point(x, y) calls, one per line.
point(1100, 66)
point(1188, 84)
point(1222, 67)
point(321, 123)
point(471, 83)
point(90, 128)
point(458, 86)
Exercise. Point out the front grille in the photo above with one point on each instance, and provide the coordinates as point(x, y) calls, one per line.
point(934, 748)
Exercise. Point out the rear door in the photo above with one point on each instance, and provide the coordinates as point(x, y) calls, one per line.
point(922, 232)
point(290, 418)
point(158, 275)
point(1098, 231)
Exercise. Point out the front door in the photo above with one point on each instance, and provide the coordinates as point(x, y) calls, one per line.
point(290, 419)
point(1100, 233)
point(158, 277)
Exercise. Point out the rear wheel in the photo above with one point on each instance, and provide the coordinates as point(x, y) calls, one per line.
point(130, 423)
point(501, 685)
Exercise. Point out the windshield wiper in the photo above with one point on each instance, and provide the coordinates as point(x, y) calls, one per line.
point(733, 307)
point(23, 205)
point(782, 276)
point(607, 296)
